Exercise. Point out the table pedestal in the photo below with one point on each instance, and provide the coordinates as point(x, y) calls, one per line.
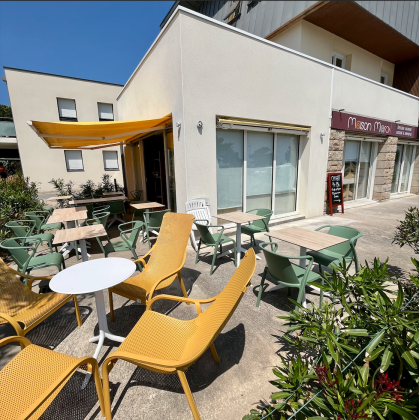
point(67, 248)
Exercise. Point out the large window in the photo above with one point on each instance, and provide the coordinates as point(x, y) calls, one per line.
point(402, 168)
point(105, 111)
point(110, 160)
point(67, 109)
point(256, 170)
point(73, 160)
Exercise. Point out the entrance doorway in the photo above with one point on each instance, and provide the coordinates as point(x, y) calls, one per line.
point(155, 169)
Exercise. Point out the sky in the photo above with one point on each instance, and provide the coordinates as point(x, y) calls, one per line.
point(98, 40)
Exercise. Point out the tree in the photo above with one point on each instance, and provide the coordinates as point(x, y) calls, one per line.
point(5, 111)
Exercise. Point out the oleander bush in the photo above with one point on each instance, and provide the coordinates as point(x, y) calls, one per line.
point(356, 357)
point(18, 195)
point(407, 233)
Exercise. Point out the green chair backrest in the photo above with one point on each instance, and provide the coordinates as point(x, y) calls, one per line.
point(279, 266)
point(48, 208)
point(101, 218)
point(130, 235)
point(347, 232)
point(266, 213)
point(116, 207)
point(204, 232)
point(155, 218)
point(38, 217)
point(22, 228)
point(18, 251)
point(100, 209)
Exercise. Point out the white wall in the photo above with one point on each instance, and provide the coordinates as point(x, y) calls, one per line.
point(33, 96)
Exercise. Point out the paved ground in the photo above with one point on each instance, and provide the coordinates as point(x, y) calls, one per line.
point(248, 347)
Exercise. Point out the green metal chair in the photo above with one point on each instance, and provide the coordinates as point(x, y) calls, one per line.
point(115, 209)
point(129, 238)
point(216, 240)
point(99, 218)
point(26, 261)
point(49, 209)
point(258, 225)
point(40, 217)
point(24, 229)
point(282, 271)
point(100, 209)
point(153, 221)
point(337, 253)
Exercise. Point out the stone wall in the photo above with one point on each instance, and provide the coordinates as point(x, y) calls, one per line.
point(414, 189)
point(334, 161)
point(384, 170)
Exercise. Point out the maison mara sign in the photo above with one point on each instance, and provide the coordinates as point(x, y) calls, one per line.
point(350, 122)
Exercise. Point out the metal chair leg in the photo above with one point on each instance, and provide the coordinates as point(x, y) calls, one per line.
point(188, 394)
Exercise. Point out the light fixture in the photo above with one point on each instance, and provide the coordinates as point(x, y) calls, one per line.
point(343, 109)
point(200, 124)
point(178, 124)
point(397, 121)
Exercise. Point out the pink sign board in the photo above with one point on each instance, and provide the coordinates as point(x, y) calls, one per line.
point(350, 122)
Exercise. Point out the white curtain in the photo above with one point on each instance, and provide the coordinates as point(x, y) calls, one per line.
point(351, 151)
point(229, 169)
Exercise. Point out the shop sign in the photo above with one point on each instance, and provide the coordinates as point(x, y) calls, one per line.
point(350, 122)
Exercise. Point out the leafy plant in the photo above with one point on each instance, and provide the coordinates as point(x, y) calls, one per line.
point(407, 233)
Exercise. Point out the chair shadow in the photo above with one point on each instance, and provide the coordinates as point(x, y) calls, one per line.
point(74, 403)
point(230, 348)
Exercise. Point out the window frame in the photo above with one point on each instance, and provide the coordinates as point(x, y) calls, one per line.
point(66, 162)
point(103, 157)
point(98, 112)
point(67, 118)
point(385, 75)
point(340, 56)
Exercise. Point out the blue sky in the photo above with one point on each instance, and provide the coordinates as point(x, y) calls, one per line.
point(92, 40)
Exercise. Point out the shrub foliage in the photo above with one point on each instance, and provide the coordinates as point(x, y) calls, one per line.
point(407, 233)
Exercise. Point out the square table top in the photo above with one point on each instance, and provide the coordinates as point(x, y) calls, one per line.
point(76, 234)
point(60, 197)
point(239, 217)
point(99, 200)
point(69, 214)
point(114, 193)
point(306, 238)
point(145, 206)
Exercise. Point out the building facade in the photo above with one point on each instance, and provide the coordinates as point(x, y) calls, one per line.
point(47, 97)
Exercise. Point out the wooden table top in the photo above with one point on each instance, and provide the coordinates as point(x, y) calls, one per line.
point(69, 214)
point(145, 206)
point(306, 238)
point(114, 193)
point(76, 234)
point(60, 197)
point(239, 217)
point(99, 200)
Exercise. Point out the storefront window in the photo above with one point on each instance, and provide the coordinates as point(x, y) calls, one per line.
point(402, 168)
point(271, 171)
point(356, 169)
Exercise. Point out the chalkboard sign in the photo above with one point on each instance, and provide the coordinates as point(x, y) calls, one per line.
point(334, 184)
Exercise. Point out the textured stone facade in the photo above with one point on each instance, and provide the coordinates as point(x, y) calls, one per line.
point(414, 189)
point(384, 169)
point(335, 159)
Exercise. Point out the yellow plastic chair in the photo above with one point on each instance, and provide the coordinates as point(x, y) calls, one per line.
point(167, 258)
point(35, 376)
point(18, 304)
point(167, 345)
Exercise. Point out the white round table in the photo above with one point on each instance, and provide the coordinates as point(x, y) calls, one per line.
point(94, 276)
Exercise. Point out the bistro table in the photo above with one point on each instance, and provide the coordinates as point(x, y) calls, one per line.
point(60, 199)
point(80, 234)
point(113, 193)
point(68, 216)
point(98, 200)
point(94, 277)
point(238, 218)
point(147, 206)
point(305, 239)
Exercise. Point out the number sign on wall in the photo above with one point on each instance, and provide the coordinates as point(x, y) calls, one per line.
point(334, 185)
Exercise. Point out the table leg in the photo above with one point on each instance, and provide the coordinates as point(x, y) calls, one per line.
point(303, 262)
point(84, 254)
point(239, 242)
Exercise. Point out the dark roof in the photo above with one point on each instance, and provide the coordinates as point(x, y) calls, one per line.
point(193, 5)
point(60, 75)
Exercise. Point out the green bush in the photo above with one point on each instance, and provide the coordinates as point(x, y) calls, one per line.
point(407, 233)
point(18, 195)
point(357, 357)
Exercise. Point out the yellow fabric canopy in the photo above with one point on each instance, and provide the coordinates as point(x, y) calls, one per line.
point(95, 135)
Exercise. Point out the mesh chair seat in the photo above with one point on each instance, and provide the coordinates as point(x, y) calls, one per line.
point(250, 229)
point(52, 226)
point(326, 257)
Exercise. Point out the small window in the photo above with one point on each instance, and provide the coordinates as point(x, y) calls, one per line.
point(105, 111)
point(339, 60)
point(73, 160)
point(67, 109)
point(384, 78)
point(110, 160)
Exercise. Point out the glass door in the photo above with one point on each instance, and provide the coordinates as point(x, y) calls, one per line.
point(402, 168)
point(396, 172)
point(356, 169)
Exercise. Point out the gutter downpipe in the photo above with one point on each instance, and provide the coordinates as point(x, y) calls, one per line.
point(330, 115)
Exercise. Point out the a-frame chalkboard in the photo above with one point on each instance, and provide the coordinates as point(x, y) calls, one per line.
point(335, 189)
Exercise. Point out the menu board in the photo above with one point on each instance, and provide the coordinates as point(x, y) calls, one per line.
point(334, 185)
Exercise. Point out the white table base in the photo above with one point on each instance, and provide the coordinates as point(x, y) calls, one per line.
point(67, 248)
point(114, 219)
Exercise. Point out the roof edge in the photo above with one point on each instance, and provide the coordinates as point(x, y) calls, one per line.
point(60, 75)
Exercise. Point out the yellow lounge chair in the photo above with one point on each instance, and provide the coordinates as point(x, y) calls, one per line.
point(167, 258)
point(34, 377)
point(168, 345)
point(18, 304)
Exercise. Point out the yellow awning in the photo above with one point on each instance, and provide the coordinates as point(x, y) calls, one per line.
point(96, 135)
